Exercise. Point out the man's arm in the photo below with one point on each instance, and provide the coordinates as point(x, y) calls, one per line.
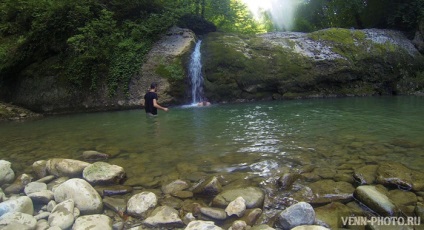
point(156, 105)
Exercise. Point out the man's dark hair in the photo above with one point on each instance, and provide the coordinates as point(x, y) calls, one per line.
point(153, 85)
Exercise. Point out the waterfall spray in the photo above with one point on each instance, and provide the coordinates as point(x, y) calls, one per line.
point(195, 74)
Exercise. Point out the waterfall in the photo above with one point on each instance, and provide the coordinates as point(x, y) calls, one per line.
point(195, 74)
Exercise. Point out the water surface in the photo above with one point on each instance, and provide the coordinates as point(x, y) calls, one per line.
point(254, 139)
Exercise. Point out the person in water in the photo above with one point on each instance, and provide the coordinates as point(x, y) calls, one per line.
point(151, 101)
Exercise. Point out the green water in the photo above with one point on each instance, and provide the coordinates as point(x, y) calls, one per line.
point(253, 139)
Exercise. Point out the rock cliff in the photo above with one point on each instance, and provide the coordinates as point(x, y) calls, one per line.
point(326, 63)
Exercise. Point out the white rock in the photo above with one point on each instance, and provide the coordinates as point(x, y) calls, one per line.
point(236, 207)
point(93, 222)
point(21, 204)
point(34, 187)
point(18, 218)
point(62, 215)
point(86, 198)
point(6, 173)
point(140, 203)
point(66, 167)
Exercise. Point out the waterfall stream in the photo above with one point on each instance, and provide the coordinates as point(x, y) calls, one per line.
point(195, 74)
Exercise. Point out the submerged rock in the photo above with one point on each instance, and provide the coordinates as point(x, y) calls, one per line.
point(253, 196)
point(366, 174)
point(377, 201)
point(332, 214)
point(326, 191)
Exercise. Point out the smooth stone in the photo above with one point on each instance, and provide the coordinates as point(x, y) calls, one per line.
point(326, 191)
point(182, 194)
point(214, 213)
point(92, 155)
point(21, 204)
point(366, 174)
point(17, 220)
point(202, 225)
point(93, 222)
point(86, 199)
point(253, 196)
point(375, 200)
point(140, 203)
point(236, 207)
point(66, 167)
point(103, 173)
point(298, 214)
point(34, 187)
point(42, 197)
point(165, 217)
point(39, 168)
point(7, 175)
point(175, 186)
point(209, 187)
point(116, 204)
point(62, 215)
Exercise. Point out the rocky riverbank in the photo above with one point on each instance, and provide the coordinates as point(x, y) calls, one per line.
point(12, 112)
point(75, 194)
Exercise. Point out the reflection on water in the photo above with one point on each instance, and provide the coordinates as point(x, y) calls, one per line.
point(257, 138)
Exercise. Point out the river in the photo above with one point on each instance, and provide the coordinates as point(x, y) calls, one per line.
point(253, 140)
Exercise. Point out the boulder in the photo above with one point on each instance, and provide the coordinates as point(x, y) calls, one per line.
point(139, 204)
point(17, 220)
point(66, 167)
point(93, 222)
point(253, 196)
point(377, 201)
point(175, 186)
point(86, 199)
point(165, 217)
point(7, 175)
point(298, 214)
point(103, 173)
point(332, 214)
point(62, 215)
point(21, 204)
point(200, 224)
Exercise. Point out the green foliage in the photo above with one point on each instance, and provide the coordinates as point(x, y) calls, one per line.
point(173, 71)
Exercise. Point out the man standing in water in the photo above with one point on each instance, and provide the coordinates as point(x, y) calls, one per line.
point(150, 101)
